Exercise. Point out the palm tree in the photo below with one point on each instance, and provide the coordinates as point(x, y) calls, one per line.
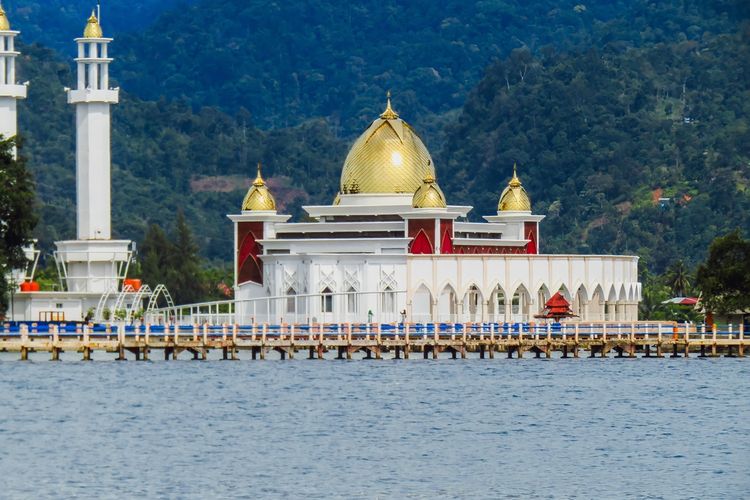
point(678, 278)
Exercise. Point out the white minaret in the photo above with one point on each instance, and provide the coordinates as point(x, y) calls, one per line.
point(10, 91)
point(93, 263)
point(92, 99)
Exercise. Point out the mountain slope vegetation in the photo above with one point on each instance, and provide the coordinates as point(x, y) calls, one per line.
point(289, 61)
point(628, 120)
point(161, 150)
point(55, 23)
point(643, 151)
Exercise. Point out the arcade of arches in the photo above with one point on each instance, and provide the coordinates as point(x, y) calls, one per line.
point(474, 305)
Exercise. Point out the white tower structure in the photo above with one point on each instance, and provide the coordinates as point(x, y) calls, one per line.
point(93, 263)
point(10, 91)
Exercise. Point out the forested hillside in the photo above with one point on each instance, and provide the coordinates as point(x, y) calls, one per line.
point(158, 148)
point(288, 61)
point(607, 107)
point(55, 23)
point(643, 151)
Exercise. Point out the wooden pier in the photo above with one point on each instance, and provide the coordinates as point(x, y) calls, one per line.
point(347, 341)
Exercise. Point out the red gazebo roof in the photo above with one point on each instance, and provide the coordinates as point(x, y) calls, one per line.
point(556, 307)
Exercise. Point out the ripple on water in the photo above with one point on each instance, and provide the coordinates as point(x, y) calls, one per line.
point(521, 428)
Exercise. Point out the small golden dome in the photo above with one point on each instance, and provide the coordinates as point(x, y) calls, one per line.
point(259, 197)
point(429, 195)
point(389, 157)
point(4, 22)
point(93, 28)
point(514, 197)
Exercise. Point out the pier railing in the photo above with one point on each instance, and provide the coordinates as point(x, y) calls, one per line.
point(374, 339)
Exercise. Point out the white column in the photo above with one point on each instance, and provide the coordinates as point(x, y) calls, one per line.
point(508, 310)
point(93, 76)
point(93, 183)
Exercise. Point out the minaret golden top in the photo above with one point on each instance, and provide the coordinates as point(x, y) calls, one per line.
point(93, 28)
point(389, 114)
point(4, 22)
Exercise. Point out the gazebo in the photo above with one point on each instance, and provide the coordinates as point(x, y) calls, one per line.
point(556, 308)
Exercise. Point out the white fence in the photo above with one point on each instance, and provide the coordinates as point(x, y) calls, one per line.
point(343, 307)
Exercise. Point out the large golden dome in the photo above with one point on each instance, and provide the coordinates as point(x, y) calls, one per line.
point(389, 157)
point(514, 197)
point(259, 197)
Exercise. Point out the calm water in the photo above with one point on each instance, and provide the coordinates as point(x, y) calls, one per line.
point(493, 428)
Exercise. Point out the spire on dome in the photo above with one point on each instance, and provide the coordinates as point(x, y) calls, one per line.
point(259, 177)
point(515, 181)
point(93, 28)
point(389, 114)
point(4, 22)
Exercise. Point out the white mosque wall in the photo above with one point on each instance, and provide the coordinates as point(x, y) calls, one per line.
point(515, 287)
point(434, 288)
point(326, 288)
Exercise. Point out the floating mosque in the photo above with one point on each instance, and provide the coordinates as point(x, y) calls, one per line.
point(388, 248)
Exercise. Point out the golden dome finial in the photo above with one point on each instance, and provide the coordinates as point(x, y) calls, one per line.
point(259, 197)
point(4, 22)
point(93, 28)
point(259, 178)
point(389, 114)
point(515, 181)
point(514, 197)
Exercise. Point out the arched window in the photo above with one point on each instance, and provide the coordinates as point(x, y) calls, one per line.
point(388, 304)
point(500, 298)
point(351, 301)
point(326, 300)
point(473, 297)
point(291, 300)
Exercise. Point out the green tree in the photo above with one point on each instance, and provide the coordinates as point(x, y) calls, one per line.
point(185, 281)
point(154, 256)
point(17, 217)
point(723, 278)
point(174, 261)
point(678, 278)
